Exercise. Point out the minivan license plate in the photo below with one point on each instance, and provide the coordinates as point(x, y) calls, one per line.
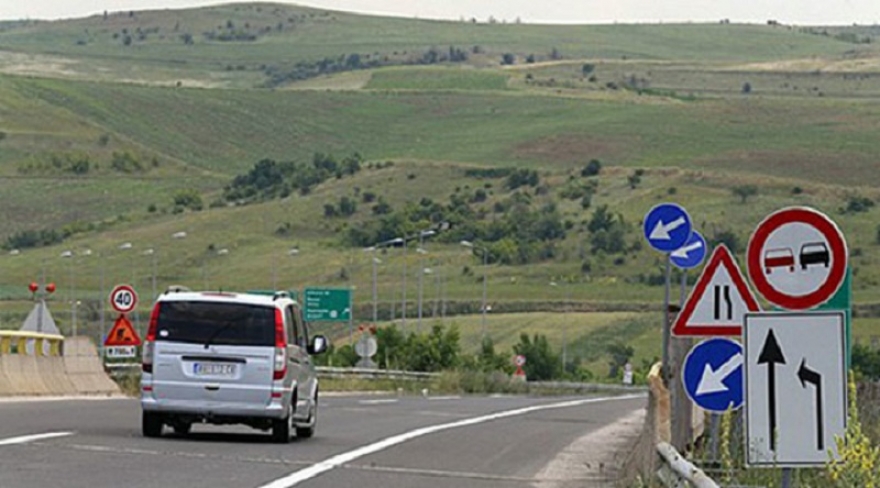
point(214, 369)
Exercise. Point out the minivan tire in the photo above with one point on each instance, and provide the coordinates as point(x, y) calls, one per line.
point(281, 427)
point(151, 424)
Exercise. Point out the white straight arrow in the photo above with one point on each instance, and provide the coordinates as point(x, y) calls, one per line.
point(661, 230)
point(713, 380)
point(682, 253)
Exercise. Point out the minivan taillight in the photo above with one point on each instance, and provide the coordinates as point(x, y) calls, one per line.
point(150, 340)
point(280, 368)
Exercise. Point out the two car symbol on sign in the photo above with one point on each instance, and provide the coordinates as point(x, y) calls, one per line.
point(810, 253)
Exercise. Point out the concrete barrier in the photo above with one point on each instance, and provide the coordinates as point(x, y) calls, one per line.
point(84, 369)
point(23, 375)
point(54, 376)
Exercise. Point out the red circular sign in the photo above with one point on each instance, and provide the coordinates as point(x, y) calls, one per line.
point(797, 258)
point(520, 360)
point(123, 299)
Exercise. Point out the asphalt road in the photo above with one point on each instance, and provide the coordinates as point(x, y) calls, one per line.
point(361, 441)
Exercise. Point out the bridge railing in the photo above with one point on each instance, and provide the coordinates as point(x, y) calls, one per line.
point(16, 342)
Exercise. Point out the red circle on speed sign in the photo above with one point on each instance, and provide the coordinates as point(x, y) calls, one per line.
point(123, 299)
point(797, 258)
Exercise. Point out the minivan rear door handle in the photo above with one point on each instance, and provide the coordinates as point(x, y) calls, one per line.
point(212, 387)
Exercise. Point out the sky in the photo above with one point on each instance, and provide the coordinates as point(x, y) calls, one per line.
point(799, 12)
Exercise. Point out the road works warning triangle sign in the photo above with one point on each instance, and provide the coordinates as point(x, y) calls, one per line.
point(122, 334)
point(719, 301)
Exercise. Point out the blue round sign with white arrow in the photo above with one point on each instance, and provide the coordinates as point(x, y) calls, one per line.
point(691, 254)
point(713, 375)
point(667, 227)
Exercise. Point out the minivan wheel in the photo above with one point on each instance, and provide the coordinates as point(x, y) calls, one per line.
point(151, 424)
point(281, 428)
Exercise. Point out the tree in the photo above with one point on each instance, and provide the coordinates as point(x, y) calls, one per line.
point(620, 355)
point(744, 191)
point(508, 58)
point(347, 206)
point(592, 168)
point(587, 68)
point(747, 88)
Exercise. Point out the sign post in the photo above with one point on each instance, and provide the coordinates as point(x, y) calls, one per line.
point(667, 227)
point(122, 341)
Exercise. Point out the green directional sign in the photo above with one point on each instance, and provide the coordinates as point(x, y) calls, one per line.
point(327, 304)
point(842, 300)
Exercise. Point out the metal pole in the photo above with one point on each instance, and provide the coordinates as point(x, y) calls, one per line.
point(666, 331)
point(483, 320)
point(153, 255)
point(375, 292)
point(786, 477)
point(403, 300)
point(681, 296)
point(274, 264)
point(421, 278)
point(103, 302)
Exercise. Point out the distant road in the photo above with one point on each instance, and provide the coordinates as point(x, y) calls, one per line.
point(361, 441)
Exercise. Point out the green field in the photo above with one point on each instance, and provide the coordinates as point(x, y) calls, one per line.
point(194, 98)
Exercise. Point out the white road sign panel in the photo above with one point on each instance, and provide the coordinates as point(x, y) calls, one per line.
point(120, 352)
point(795, 386)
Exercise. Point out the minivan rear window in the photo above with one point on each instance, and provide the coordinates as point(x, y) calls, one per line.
point(216, 323)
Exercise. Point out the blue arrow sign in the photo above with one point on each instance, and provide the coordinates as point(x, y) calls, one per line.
point(667, 227)
point(713, 375)
point(691, 254)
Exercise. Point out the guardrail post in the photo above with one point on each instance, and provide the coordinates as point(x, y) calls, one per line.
point(682, 469)
point(5, 345)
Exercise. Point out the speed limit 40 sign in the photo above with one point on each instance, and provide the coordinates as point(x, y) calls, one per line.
point(123, 299)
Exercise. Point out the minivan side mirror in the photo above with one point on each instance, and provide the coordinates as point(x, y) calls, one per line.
point(319, 344)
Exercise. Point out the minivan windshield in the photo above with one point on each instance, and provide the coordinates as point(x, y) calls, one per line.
point(216, 323)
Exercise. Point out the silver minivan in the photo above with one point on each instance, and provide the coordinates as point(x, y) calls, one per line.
point(229, 358)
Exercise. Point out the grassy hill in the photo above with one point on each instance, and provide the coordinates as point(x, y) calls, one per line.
point(105, 121)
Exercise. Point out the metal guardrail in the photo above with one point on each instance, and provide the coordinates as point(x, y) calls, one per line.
point(16, 341)
point(675, 470)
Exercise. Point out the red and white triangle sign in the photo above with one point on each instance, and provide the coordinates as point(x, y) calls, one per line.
point(718, 302)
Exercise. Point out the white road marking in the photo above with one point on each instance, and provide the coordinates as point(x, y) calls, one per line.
point(452, 397)
point(317, 469)
point(31, 438)
point(378, 402)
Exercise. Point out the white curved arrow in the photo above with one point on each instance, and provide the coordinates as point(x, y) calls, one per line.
point(713, 380)
point(661, 231)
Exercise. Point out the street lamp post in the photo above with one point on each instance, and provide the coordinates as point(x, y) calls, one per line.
point(70, 288)
point(422, 252)
point(152, 253)
point(565, 313)
point(376, 262)
point(485, 252)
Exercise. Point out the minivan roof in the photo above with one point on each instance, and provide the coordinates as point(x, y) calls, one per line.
point(223, 296)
